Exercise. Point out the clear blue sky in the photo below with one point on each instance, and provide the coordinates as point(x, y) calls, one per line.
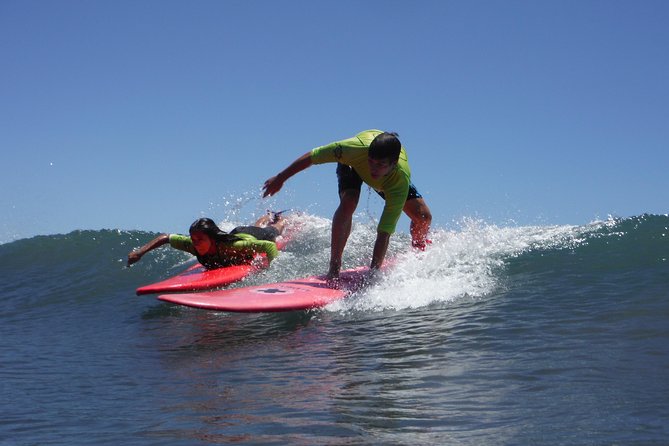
point(149, 114)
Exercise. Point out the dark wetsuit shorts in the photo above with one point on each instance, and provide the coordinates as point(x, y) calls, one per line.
point(268, 233)
point(348, 178)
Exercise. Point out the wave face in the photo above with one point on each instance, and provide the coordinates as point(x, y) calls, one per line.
point(475, 260)
point(506, 335)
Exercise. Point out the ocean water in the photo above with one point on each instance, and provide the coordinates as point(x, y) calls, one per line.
point(542, 335)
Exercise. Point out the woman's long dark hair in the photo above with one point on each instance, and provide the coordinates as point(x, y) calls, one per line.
point(208, 227)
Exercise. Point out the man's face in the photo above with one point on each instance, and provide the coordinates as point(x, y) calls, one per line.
point(380, 167)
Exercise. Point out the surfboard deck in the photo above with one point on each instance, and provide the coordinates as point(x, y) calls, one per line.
point(300, 294)
point(197, 278)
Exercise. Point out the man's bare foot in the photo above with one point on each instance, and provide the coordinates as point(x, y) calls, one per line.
point(333, 281)
point(421, 245)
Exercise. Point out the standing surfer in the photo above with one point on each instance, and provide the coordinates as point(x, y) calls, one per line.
point(378, 159)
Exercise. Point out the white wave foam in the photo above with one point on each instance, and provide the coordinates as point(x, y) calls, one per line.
point(464, 262)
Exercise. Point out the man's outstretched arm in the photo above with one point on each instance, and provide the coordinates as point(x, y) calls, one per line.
point(274, 184)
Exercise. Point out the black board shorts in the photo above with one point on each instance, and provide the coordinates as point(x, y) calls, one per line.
point(348, 178)
point(269, 233)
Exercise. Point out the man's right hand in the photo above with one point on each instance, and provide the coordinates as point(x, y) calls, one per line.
point(272, 186)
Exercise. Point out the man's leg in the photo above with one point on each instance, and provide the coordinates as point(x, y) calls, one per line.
point(421, 218)
point(341, 228)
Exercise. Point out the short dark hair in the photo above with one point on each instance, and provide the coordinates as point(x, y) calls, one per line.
point(385, 146)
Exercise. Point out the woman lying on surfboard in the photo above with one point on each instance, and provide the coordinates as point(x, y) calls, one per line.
point(215, 248)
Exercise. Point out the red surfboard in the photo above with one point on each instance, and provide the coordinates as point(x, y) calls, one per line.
point(299, 294)
point(197, 278)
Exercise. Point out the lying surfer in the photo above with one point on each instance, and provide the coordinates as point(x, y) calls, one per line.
point(215, 248)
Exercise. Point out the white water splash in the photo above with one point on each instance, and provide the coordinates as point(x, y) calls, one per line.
point(468, 262)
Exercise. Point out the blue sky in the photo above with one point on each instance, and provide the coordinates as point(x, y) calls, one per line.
point(149, 114)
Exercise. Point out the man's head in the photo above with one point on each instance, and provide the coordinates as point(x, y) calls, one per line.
point(384, 152)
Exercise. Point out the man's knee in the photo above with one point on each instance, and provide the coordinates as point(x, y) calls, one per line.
point(418, 211)
point(425, 214)
point(348, 200)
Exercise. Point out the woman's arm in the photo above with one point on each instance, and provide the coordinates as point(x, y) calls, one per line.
point(137, 254)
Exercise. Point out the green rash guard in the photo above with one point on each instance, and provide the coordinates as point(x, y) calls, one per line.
point(353, 152)
point(239, 252)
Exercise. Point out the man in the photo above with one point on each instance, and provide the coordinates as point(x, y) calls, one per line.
point(378, 159)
